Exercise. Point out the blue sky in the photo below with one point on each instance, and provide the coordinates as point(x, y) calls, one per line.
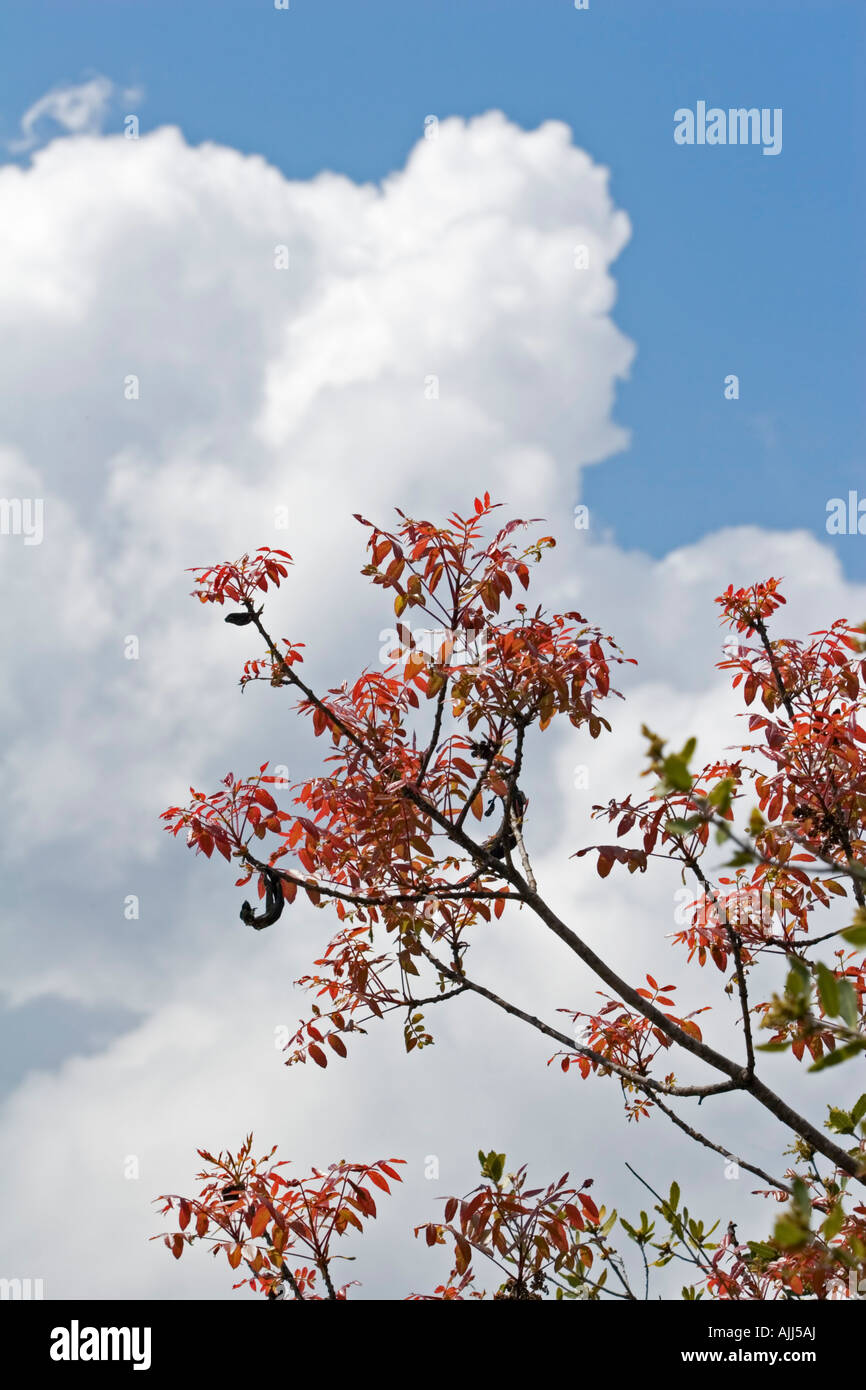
point(738, 262)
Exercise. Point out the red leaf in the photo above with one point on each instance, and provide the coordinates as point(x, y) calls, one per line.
point(589, 1206)
point(556, 1231)
point(260, 1221)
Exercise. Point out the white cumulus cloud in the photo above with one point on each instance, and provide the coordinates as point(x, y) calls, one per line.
point(172, 395)
point(78, 109)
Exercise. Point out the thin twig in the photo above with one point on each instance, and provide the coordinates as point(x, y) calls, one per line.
point(719, 1148)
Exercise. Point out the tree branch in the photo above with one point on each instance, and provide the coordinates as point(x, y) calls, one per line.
point(718, 1148)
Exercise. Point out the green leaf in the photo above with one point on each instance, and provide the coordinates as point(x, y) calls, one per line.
point(759, 1250)
point(789, 1233)
point(741, 858)
point(841, 1054)
point(674, 1198)
point(833, 1225)
point(798, 985)
point(856, 933)
point(720, 796)
point(756, 822)
point(800, 1201)
point(492, 1164)
point(676, 774)
point(683, 827)
point(847, 1002)
point(859, 1109)
point(828, 990)
point(840, 1121)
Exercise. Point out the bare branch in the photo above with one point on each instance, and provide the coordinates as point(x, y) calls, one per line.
point(718, 1148)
